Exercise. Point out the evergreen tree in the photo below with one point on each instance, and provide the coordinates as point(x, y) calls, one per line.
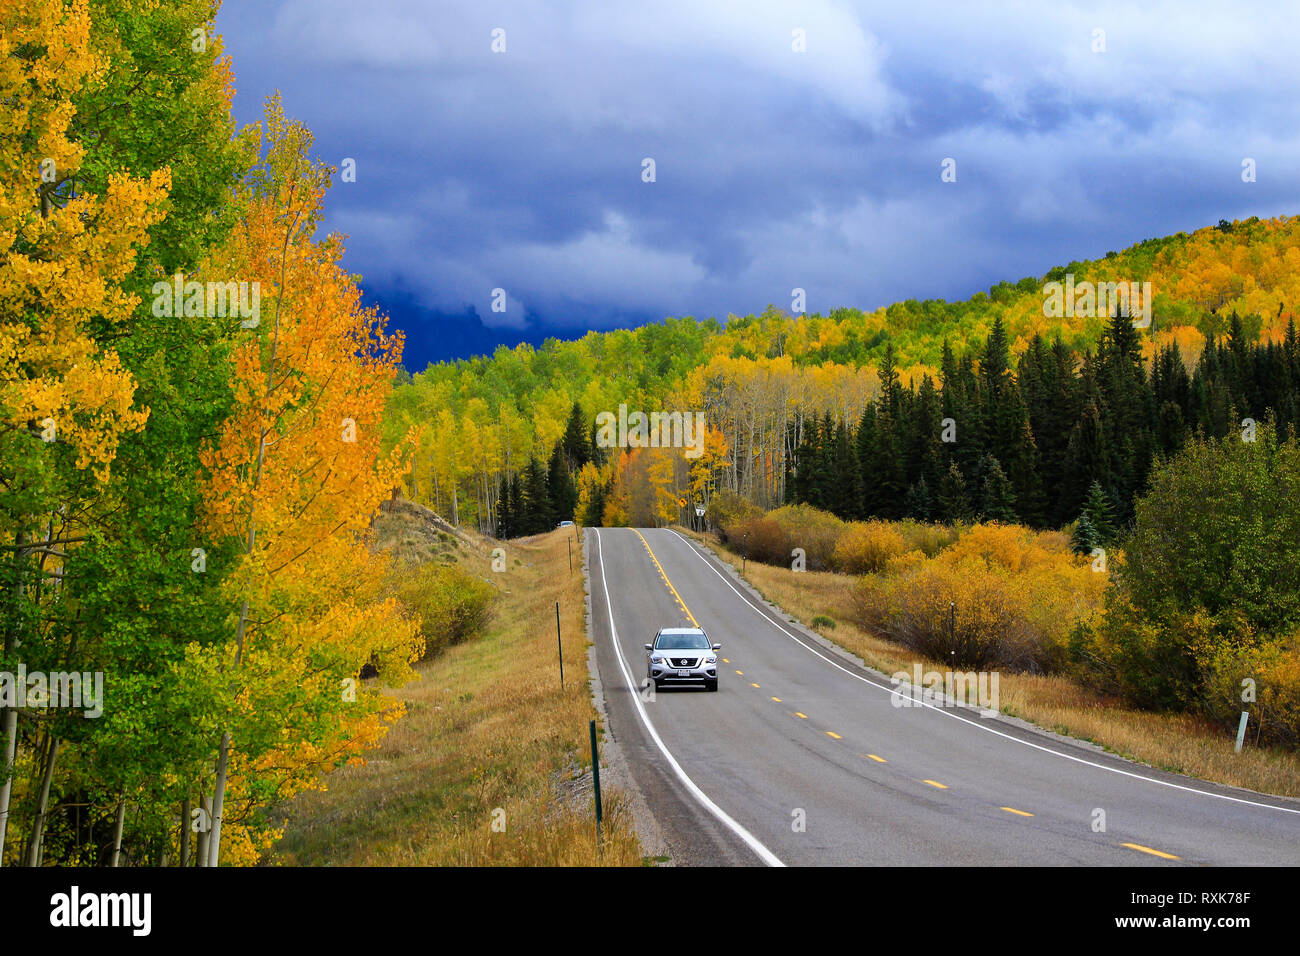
point(954, 499)
point(1085, 459)
point(1100, 514)
point(1084, 537)
point(537, 516)
point(505, 517)
point(885, 485)
point(919, 505)
point(997, 497)
point(821, 468)
point(1127, 409)
point(847, 478)
point(865, 442)
point(518, 507)
point(576, 445)
point(562, 493)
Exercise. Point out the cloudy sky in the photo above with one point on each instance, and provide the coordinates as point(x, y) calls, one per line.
point(774, 167)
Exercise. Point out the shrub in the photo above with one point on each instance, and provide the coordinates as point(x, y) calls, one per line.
point(1275, 669)
point(1017, 593)
point(927, 538)
point(451, 604)
point(905, 563)
point(728, 509)
point(1013, 547)
point(867, 546)
point(987, 628)
point(764, 540)
point(816, 531)
point(1210, 572)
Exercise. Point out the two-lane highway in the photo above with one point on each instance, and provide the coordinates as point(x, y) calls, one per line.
point(801, 757)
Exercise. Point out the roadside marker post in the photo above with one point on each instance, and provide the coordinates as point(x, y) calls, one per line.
point(570, 542)
point(595, 779)
point(559, 644)
point(1241, 730)
point(744, 558)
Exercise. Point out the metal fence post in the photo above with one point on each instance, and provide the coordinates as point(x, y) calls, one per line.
point(595, 778)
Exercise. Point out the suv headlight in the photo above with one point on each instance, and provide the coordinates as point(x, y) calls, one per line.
point(711, 660)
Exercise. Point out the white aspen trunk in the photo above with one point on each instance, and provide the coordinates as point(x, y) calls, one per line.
point(9, 721)
point(218, 801)
point(205, 832)
point(184, 839)
point(118, 825)
point(42, 805)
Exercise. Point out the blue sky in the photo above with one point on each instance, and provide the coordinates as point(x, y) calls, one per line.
point(775, 168)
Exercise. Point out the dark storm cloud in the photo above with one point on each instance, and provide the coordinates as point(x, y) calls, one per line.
point(775, 169)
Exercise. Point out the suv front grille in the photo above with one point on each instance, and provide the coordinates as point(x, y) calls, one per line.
point(684, 661)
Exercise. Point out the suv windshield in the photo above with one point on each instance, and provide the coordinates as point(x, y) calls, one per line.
point(690, 642)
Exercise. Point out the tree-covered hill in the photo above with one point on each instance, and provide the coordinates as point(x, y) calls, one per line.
point(760, 377)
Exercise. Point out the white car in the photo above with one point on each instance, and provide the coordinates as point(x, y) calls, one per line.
point(682, 655)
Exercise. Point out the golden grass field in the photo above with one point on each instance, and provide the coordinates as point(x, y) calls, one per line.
point(487, 728)
point(1177, 743)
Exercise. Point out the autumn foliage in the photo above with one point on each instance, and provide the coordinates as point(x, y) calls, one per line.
point(1207, 591)
point(185, 499)
point(1000, 596)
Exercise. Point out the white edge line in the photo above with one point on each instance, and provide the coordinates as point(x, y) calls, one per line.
point(766, 855)
point(970, 723)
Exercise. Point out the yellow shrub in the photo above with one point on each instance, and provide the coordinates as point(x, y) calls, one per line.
point(925, 537)
point(1274, 668)
point(813, 530)
point(867, 546)
point(1013, 547)
point(1001, 596)
point(903, 563)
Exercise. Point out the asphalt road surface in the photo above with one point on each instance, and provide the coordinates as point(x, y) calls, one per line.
point(802, 758)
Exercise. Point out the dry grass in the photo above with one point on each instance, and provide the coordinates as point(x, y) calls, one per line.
point(1177, 743)
point(487, 728)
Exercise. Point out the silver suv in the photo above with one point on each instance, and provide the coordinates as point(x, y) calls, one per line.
point(682, 655)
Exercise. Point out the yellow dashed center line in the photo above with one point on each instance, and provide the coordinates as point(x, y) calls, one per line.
point(831, 733)
point(936, 783)
point(777, 699)
point(752, 684)
point(663, 574)
point(1019, 813)
point(1146, 849)
point(875, 758)
point(725, 661)
point(801, 716)
point(741, 673)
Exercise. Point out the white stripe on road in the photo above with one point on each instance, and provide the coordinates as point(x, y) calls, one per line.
point(969, 723)
point(766, 855)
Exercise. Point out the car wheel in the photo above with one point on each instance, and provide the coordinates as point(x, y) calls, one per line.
point(710, 685)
